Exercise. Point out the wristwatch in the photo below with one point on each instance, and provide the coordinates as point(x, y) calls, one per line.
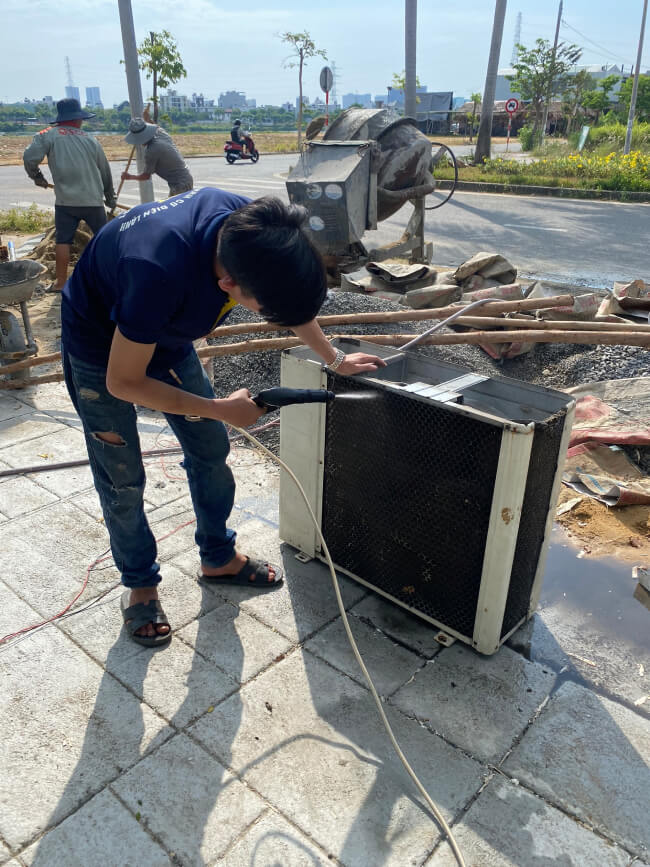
point(338, 360)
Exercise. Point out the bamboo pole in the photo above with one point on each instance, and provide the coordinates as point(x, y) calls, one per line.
point(399, 316)
point(340, 319)
point(469, 337)
point(585, 338)
point(12, 384)
point(552, 325)
point(34, 361)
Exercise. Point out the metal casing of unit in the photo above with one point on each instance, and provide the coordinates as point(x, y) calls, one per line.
point(439, 494)
point(335, 181)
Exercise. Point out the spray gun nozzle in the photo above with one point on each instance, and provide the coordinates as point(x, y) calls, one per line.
point(273, 398)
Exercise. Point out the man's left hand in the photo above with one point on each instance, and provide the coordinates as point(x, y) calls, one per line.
point(359, 362)
point(41, 181)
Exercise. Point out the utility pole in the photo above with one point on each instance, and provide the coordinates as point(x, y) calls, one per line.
point(410, 34)
point(635, 84)
point(134, 86)
point(549, 92)
point(484, 138)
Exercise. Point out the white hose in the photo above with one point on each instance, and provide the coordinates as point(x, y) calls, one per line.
point(429, 800)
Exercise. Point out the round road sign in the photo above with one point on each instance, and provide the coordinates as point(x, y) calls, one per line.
point(512, 105)
point(326, 79)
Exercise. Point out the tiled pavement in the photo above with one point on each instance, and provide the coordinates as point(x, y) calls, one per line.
point(252, 739)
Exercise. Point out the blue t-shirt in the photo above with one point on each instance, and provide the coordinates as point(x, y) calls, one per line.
point(151, 273)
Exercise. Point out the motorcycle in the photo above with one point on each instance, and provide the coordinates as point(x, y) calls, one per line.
point(235, 151)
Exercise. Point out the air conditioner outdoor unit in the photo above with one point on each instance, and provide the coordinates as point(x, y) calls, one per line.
point(437, 488)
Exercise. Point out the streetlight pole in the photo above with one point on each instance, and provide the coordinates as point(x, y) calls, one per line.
point(484, 137)
point(410, 34)
point(635, 84)
point(549, 92)
point(134, 86)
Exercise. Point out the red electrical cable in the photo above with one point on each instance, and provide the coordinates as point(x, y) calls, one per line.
point(65, 610)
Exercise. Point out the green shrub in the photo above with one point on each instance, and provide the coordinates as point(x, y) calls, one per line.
point(526, 138)
point(612, 135)
point(25, 220)
point(615, 171)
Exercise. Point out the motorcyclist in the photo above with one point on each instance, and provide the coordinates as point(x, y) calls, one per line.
point(237, 136)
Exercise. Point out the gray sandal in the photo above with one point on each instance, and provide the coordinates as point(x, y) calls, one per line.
point(138, 615)
point(254, 573)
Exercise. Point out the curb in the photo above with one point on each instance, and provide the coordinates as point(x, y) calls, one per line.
point(557, 192)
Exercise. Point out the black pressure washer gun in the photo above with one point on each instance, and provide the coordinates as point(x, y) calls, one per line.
point(274, 398)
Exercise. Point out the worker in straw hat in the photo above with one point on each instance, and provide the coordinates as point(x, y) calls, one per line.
point(81, 175)
point(161, 157)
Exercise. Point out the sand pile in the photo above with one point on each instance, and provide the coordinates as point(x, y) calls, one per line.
point(44, 252)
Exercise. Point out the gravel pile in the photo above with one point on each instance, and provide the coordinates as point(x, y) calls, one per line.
point(556, 366)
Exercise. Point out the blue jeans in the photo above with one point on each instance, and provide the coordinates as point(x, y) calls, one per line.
point(119, 474)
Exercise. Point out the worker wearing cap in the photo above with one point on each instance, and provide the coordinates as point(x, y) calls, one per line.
point(81, 175)
point(161, 157)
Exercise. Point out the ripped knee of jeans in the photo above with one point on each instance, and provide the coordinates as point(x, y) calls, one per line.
point(109, 437)
point(88, 394)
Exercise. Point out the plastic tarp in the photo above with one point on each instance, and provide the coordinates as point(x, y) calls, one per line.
point(614, 412)
point(605, 473)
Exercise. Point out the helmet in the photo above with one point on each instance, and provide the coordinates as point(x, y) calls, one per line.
point(237, 123)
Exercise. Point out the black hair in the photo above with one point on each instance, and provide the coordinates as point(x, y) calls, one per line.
point(264, 250)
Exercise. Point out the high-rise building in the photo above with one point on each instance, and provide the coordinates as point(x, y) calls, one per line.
point(362, 99)
point(72, 92)
point(232, 99)
point(173, 101)
point(93, 99)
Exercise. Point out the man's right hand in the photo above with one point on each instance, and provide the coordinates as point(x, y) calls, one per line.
point(40, 181)
point(239, 409)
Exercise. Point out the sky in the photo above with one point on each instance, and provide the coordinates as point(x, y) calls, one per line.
point(236, 46)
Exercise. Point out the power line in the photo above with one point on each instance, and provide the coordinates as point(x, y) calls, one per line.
point(596, 44)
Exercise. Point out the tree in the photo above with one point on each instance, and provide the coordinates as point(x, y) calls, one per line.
point(303, 47)
point(642, 97)
point(476, 100)
point(160, 59)
point(399, 83)
point(542, 70)
point(598, 100)
point(576, 87)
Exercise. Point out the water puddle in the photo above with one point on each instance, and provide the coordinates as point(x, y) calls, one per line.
point(595, 599)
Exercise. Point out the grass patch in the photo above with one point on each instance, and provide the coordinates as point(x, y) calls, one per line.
point(520, 177)
point(616, 172)
point(22, 221)
point(189, 144)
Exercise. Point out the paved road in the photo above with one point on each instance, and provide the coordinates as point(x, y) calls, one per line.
point(589, 243)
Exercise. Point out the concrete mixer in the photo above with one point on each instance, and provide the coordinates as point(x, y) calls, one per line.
point(369, 163)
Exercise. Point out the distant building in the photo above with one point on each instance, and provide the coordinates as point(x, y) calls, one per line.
point(251, 103)
point(504, 86)
point(362, 99)
point(232, 99)
point(433, 111)
point(395, 96)
point(458, 101)
point(93, 99)
point(172, 101)
point(287, 106)
point(47, 100)
point(72, 92)
point(200, 104)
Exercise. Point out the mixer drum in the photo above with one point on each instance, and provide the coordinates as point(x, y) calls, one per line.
point(404, 159)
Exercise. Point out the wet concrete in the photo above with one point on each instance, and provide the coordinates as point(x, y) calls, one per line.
point(589, 626)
